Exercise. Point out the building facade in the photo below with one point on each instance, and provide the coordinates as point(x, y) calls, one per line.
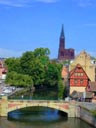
point(63, 53)
point(87, 64)
point(3, 71)
point(78, 79)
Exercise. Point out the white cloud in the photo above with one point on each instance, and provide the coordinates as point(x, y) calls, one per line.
point(86, 3)
point(47, 1)
point(22, 3)
point(5, 53)
point(15, 3)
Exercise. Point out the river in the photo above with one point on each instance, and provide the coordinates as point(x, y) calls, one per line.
point(43, 118)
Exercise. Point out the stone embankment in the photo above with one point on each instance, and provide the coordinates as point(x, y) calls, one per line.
point(85, 113)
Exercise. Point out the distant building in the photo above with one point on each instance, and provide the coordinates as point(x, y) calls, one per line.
point(91, 87)
point(78, 79)
point(3, 70)
point(87, 64)
point(79, 96)
point(63, 53)
point(65, 73)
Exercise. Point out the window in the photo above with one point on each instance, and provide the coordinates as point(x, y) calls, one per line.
point(76, 74)
point(75, 81)
point(81, 81)
point(81, 74)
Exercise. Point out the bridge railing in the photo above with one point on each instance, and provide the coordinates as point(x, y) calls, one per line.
point(38, 101)
point(31, 98)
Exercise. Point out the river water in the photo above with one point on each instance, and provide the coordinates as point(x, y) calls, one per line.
point(40, 118)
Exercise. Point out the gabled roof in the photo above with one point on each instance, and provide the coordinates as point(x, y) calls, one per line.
point(74, 70)
point(84, 53)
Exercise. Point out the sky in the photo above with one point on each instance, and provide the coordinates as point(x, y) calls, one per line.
point(29, 24)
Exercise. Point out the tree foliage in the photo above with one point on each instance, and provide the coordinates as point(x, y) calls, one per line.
point(53, 74)
point(13, 64)
point(33, 68)
point(61, 89)
point(19, 80)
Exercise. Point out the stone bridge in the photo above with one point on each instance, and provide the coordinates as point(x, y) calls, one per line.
point(7, 105)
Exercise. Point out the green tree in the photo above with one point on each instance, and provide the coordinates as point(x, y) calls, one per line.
point(27, 62)
point(39, 52)
point(61, 89)
point(38, 73)
point(19, 80)
point(13, 64)
point(32, 63)
point(53, 74)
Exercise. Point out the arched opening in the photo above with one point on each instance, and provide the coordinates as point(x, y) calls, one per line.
point(37, 114)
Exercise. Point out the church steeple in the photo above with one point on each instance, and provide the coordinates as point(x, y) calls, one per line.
point(61, 44)
point(62, 32)
point(62, 39)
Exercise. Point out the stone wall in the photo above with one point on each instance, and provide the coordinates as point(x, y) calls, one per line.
point(87, 116)
point(80, 89)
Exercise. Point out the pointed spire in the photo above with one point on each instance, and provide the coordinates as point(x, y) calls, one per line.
point(62, 32)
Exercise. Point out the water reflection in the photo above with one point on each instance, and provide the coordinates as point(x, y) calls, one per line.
point(70, 123)
point(34, 114)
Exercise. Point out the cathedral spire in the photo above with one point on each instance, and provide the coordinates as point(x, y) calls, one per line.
point(63, 53)
point(62, 32)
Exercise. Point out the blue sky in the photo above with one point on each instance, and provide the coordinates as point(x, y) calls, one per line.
point(29, 24)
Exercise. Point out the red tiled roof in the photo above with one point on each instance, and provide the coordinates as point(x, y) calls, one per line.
point(77, 66)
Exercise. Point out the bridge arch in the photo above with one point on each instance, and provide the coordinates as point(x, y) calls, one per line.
point(12, 106)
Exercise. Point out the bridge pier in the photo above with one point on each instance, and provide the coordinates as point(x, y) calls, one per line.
point(72, 111)
point(3, 106)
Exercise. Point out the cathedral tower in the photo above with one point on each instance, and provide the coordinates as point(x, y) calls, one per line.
point(63, 53)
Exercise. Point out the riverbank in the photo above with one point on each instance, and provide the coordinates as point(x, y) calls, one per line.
point(87, 116)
